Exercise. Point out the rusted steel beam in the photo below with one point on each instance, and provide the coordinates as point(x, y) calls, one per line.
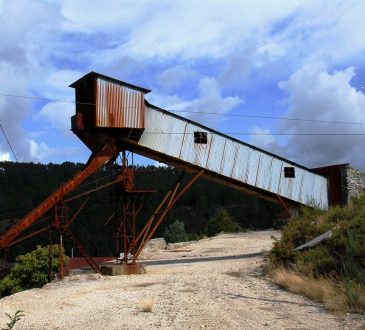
point(170, 198)
point(164, 213)
point(108, 220)
point(287, 210)
point(77, 212)
point(60, 255)
point(35, 233)
point(90, 260)
point(149, 222)
point(92, 190)
point(96, 161)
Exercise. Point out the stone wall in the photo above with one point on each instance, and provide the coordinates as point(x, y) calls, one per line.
point(355, 182)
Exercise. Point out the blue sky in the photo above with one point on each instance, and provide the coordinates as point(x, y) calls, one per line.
point(296, 59)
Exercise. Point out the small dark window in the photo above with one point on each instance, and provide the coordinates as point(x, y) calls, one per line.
point(289, 172)
point(200, 137)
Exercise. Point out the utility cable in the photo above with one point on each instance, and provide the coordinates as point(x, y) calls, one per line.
point(199, 112)
point(268, 117)
point(276, 134)
point(7, 140)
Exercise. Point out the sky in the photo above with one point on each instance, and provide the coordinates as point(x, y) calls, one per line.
point(236, 58)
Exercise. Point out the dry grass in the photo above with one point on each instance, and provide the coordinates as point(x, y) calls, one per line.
point(319, 290)
point(336, 297)
point(147, 305)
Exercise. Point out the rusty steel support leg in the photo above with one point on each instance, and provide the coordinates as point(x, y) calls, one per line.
point(5, 253)
point(59, 228)
point(126, 231)
point(173, 199)
point(60, 255)
point(77, 213)
point(146, 228)
point(149, 222)
point(286, 208)
point(50, 256)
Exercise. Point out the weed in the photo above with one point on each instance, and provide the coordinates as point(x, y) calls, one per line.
point(13, 319)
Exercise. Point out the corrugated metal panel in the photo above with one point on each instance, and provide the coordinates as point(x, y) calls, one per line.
point(174, 137)
point(157, 139)
point(118, 106)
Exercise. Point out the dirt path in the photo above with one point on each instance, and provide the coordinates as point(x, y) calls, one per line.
point(228, 293)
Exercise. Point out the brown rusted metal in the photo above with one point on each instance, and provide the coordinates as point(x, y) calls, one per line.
point(118, 106)
point(92, 190)
point(287, 211)
point(60, 255)
point(84, 253)
point(50, 256)
point(337, 192)
point(69, 222)
point(32, 234)
point(149, 222)
point(173, 199)
point(95, 162)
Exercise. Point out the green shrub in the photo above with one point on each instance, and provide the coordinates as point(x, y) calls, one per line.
point(222, 222)
point(175, 232)
point(30, 271)
point(340, 259)
point(13, 319)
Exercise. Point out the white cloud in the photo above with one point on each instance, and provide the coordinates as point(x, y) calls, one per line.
point(43, 153)
point(261, 138)
point(315, 93)
point(58, 115)
point(210, 100)
point(56, 84)
point(4, 156)
point(87, 17)
point(172, 78)
point(14, 110)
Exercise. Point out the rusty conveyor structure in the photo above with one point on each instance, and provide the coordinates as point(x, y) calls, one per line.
point(113, 116)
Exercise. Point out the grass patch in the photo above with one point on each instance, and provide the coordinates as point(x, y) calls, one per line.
point(319, 290)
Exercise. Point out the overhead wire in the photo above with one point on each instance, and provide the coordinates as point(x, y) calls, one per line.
point(198, 112)
point(8, 142)
point(278, 134)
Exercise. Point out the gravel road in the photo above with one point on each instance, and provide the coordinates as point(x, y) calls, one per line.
point(214, 283)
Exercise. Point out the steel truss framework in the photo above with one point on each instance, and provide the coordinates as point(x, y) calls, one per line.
point(129, 202)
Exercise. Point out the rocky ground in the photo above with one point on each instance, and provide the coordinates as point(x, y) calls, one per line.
point(214, 283)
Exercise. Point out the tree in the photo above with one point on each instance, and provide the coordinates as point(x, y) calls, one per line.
point(30, 271)
point(222, 222)
point(175, 232)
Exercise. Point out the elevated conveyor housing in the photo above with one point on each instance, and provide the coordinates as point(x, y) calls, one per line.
point(110, 107)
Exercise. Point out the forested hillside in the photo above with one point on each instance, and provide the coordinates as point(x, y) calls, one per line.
point(24, 185)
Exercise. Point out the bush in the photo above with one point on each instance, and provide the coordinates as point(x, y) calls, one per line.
point(222, 222)
point(30, 271)
point(340, 259)
point(175, 232)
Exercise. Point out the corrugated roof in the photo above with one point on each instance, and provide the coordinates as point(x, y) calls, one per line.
point(120, 82)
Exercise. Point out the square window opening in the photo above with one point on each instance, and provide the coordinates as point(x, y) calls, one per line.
point(289, 172)
point(201, 137)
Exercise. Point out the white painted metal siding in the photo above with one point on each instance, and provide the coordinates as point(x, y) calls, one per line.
point(174, 137)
